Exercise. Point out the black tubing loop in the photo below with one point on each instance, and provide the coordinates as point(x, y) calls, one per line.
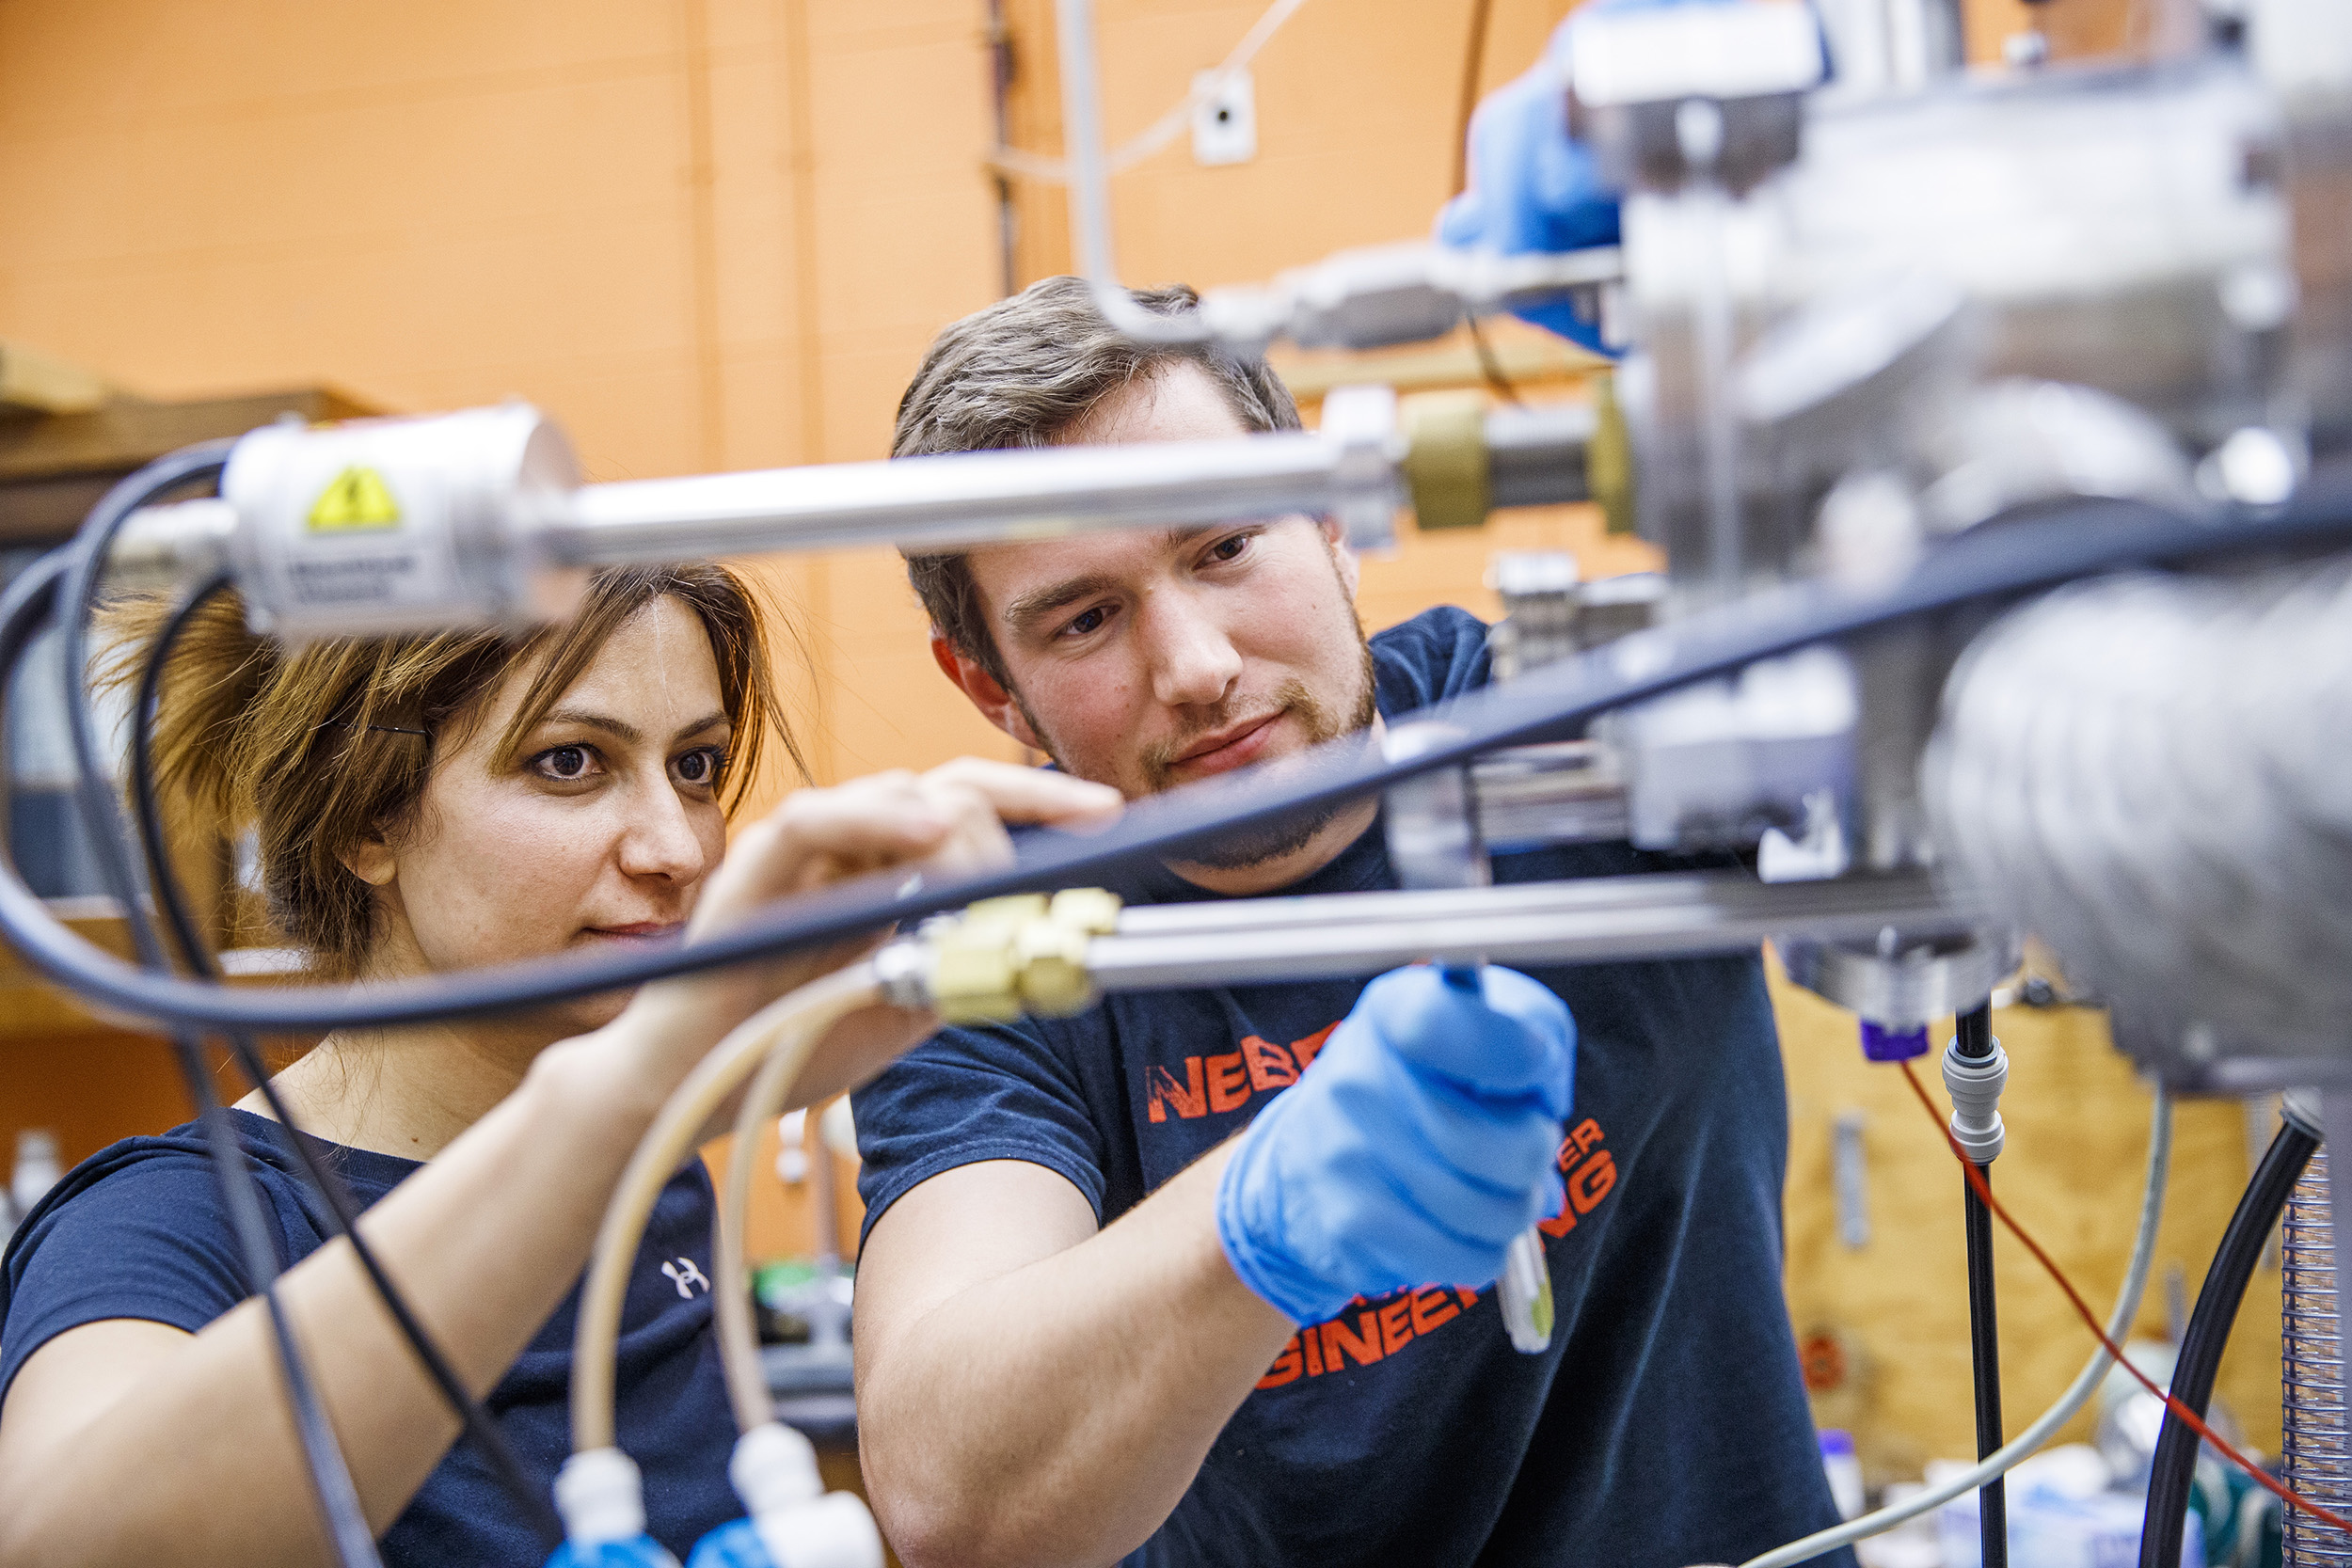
point(342, 1214)
point(1549, 703)
point(2173, 1473)
point(85, 570)
point(83, 566)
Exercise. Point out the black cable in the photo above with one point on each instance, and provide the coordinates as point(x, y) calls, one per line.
point(331, 1477)
point(1974, 1041)
point(77, 606)
point(1552, 702)
point(84, 564)
point(528, 1495)
point(2174, 1470)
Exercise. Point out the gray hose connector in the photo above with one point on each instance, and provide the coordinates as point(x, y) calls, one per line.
point(1975, 1083)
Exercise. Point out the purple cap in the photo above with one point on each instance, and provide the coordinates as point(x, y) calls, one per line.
point(1835, 1441)
point(1881, 1044)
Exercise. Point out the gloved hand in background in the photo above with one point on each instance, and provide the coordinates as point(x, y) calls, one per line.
point(1419, 1143)
point(1531, 187)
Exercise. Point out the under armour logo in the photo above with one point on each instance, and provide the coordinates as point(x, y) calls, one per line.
point(685, 1276)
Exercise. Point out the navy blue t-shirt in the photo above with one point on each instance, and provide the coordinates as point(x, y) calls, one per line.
point(138, 1230)
point(1665, 1425)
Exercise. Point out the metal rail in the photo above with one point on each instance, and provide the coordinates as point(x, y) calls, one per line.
point(1603, 919)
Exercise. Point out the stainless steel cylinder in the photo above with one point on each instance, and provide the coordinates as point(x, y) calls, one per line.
point(2317, 1447)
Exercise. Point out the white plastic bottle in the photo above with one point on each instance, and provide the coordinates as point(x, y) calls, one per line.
point(37, 1170)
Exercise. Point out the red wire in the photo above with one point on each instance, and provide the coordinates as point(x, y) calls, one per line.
point(1984, 1192)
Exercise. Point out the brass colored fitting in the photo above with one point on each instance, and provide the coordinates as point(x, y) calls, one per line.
point(1445, 459)
point(1051, 960)
point(975, 978)
point(1609, 461)
point(1011, 908)
point(1003, 958)
point(1092, 909)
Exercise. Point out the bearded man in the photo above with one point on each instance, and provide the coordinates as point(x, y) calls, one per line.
point(1204, 1278)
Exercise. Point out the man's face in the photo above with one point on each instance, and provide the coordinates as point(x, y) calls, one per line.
point(1145, 659)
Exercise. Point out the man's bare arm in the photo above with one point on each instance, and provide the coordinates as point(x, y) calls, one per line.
point(1031, 1391)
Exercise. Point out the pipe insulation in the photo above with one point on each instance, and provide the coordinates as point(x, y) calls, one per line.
point(2154, 773)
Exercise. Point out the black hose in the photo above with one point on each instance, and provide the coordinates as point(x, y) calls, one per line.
point(83, 565)
point(1972, 1039)
point(1552, 702)
point(2175, 1471)
point(528, 1496)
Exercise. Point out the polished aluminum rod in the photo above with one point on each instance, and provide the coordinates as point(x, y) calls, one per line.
point(1597, 920)
point(959, 499)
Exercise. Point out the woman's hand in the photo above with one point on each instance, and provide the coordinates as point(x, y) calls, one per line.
point(950, 820)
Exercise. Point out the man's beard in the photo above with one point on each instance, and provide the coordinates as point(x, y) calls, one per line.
point(1239, 848)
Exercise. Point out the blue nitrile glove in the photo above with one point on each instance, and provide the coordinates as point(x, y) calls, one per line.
point(1531, 188)
point(1420, 1142)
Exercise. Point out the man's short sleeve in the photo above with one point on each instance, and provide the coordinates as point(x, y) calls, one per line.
point(147, 1240)
point(969, 1095)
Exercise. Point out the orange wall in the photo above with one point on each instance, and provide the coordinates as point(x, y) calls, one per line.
point(706, 234)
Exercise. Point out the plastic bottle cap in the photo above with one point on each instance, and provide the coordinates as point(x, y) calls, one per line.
point(1882, 1044)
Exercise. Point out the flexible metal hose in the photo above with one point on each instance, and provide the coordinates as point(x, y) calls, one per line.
point(2318, 1451)
point(2173, 1471)
point(2154, 773)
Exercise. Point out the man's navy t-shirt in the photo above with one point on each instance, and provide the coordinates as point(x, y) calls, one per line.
point(137, 1230)
point(1666, 1424)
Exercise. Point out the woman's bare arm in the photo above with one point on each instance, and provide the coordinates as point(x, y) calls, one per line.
point(131, 1443)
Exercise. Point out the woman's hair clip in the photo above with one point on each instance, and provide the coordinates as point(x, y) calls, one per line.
point(395, 729)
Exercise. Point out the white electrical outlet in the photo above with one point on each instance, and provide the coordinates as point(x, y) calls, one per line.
point(1224, 118)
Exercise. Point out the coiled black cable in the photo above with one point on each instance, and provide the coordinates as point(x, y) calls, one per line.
point(2174, 1470)
point(171, 898)
point(1987, 564)
point(82, 566)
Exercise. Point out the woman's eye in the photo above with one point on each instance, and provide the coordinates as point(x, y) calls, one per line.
point(701, 765)
point(565, 763)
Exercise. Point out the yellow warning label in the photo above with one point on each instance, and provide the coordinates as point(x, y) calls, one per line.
point(357, 499)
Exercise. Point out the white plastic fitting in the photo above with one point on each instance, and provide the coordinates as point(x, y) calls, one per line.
point(1975, 1083)
point(799, 1523)
point(835, 1531)
point(774, 1468)
point(601, 1496)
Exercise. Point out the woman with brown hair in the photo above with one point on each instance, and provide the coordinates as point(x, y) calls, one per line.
point(421, 806)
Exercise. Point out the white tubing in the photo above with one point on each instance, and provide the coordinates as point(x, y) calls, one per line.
point(1090, 188)
point(790, 1026)
point(738, 1335)
point(1162, 130)
point(2086, 1383)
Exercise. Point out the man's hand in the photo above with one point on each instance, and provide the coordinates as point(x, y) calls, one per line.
point(1412, 1151)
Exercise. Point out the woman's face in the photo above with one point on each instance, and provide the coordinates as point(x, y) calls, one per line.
point(597, 834)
